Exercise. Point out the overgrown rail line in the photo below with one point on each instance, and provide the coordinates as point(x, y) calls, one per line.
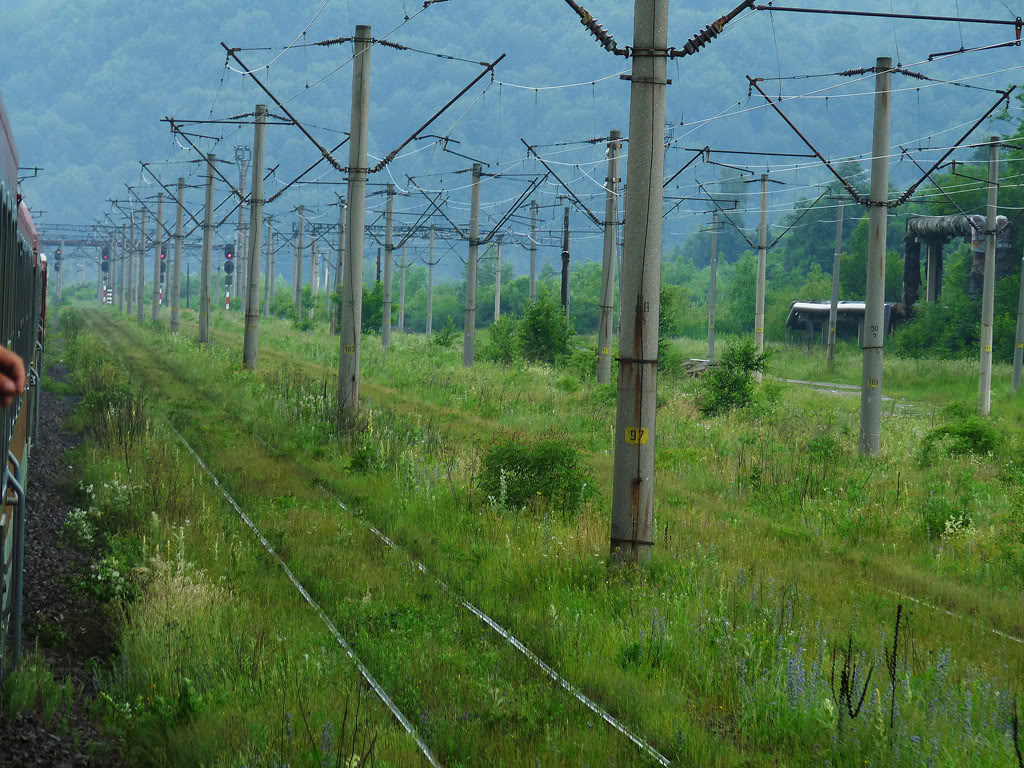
point(364, 672)
point(331, 627)
point(519, 646)
point(932, 604)
point(109, 327)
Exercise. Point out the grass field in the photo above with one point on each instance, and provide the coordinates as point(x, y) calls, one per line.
point(763, 624)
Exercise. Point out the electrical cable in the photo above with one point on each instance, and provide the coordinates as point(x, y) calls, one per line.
point(286, 48)
point(344, 64)
point(560, 87)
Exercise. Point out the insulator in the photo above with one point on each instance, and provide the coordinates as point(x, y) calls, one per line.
point(335, 41)
point(699, 40)
point(703, 37)
point(601, 34)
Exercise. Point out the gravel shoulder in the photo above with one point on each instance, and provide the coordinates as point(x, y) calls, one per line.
point(69, 629)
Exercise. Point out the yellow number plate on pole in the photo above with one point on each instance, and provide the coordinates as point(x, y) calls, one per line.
point(636, 436)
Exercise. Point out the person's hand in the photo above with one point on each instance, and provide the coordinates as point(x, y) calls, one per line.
point(12, 377)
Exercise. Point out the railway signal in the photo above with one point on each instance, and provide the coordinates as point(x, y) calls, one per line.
point(229, 269)
point(105, 262)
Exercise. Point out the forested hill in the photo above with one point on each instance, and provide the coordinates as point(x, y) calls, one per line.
point(87, 83)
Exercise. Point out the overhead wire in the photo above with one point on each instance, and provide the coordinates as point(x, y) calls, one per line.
point(286, 48)
point(344, 64)
point(698, 124)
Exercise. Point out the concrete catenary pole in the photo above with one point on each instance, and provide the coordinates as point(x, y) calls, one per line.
point(533, 251)
point(611, 235)
point(115, 266)
point(988, 293)
point(158, 250)
point(115, 253)
point(121, 266)
point(874, 309)
point(297, 276)
point(620, 246)
point(352, 301)
point(713, 287)
point(389, 257)
point(1018, 351)
point(327, 282)
point(204, 280)
point(833, 311)
point(99, 273)
point(254, 245)
point(272, 273)
point(129, 286)
point(469, 331)
point(242, 156)
point(314, 273)
point(179, 227)
point(268, 276)
point(632, 529)
point(314, 270)
point(339, 266)
point(430, 284)
point(60, 273)
point(114, 259)
point(565, 262)
point(762, 267)
point(140, 289)
point(401, 293)
point(497, 284)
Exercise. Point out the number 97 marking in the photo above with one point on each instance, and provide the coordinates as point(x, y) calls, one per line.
point(636, 436)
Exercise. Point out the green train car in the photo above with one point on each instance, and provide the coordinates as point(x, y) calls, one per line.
point(22, 323)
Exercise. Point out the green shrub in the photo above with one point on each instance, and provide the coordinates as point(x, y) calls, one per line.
point(446, 336)
point(669, 327)
point(282, 302)
point(373, 308)
point(606, 394)
point(580, 363)
point(543, 332)
point(365, 457)
point(517, 475)
point(503, 341)
point(937, 510)
point(730, 384)
point(963, 433)
point(32, 687)
point(568, 384)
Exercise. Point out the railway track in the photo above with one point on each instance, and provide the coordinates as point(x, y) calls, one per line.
point(650, 752)
point(109, 328)
point(364, 672)
point(523, 649)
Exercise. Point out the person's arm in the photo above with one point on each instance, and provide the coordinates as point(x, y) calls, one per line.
point(12, 377)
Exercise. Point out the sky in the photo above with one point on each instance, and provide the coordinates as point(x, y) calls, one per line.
point(87, 83)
